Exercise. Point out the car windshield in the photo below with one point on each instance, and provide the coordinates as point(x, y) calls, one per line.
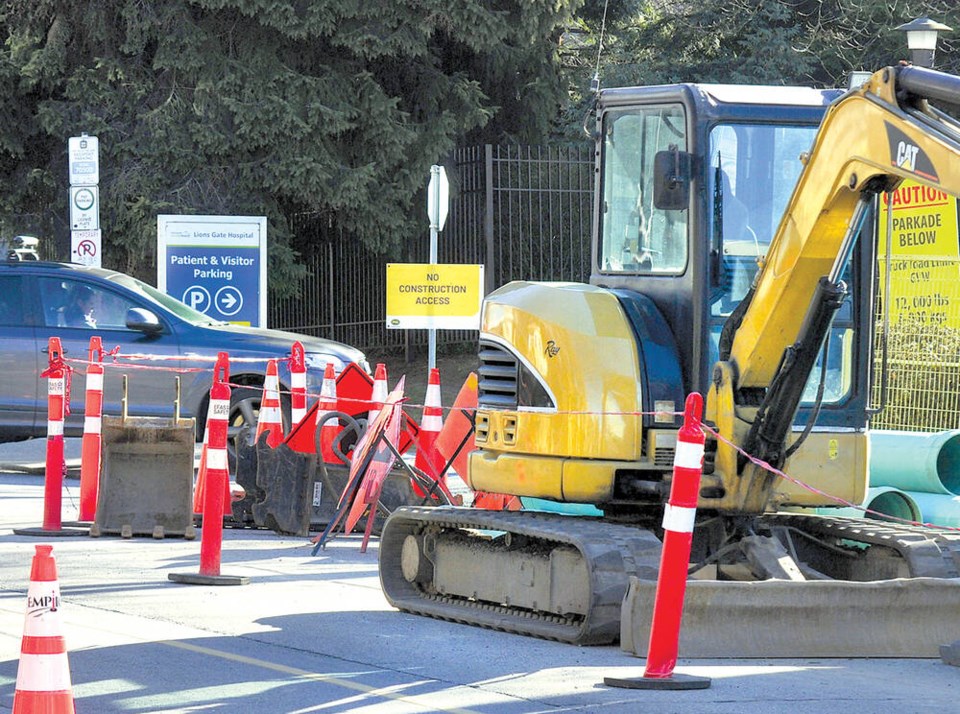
point(181, 310)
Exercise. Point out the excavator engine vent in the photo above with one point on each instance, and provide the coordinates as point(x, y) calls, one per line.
point(498, 372)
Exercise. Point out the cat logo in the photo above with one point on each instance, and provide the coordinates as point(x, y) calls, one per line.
point(907, 156)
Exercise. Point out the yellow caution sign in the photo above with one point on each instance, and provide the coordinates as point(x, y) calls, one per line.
point(924, 255)
point(434, 296)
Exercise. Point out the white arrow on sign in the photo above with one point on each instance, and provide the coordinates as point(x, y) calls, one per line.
point(228, 300)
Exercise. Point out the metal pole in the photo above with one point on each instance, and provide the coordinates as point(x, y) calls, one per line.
point(434, 230)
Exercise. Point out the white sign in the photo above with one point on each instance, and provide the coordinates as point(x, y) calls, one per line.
point(84, 208)
point(438, 197)
point(85, 247)
point(216, 265)
point(83, 153)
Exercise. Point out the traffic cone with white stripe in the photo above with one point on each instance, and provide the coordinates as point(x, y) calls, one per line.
point(43, 675)
point(298, 384)
point(269, 419)
point(329, 428)
point(200, 487)
point(428, 458)
point(57, 375)
point(201, 481)
point(679, 517)
point(92, 421)
point(216, 492)
point(379, 395)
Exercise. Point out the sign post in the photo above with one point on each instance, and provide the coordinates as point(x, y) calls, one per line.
point(216, 265)
point(438, 198)
point(83, 153)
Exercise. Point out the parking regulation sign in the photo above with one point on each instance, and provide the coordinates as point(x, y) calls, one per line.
point(215, 264)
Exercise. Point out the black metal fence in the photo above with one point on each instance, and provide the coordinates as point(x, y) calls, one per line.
point(522, 211)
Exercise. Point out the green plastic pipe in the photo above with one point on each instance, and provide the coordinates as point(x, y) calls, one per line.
point(914, 461)
point(938, 508)
point(884, 499)
point(570, 509)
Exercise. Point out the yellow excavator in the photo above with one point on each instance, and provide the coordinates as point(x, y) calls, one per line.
point(735, 241)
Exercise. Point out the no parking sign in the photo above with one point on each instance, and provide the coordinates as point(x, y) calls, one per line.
point(215, 264)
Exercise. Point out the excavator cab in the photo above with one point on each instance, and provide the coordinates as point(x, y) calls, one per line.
point(736, 151)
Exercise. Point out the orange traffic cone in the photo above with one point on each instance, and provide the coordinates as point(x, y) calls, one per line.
point(43, 676)
point(330, 428)
point(200, 486)
point(379, 395)
point(429, 460)
point(269, 419)
point(201, 481)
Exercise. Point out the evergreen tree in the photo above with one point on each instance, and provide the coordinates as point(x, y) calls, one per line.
point(262, 107)
point(815, 42)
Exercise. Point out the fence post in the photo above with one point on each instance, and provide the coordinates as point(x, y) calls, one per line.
point(491, 269)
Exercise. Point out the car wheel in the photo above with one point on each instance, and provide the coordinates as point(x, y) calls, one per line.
point(244, 414)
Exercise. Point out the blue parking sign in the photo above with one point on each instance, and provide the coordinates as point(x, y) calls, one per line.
point(215, 264)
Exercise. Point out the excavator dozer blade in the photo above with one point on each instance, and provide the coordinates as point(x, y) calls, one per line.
point(779, 618)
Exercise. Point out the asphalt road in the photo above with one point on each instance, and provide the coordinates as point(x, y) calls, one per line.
point(315, 634)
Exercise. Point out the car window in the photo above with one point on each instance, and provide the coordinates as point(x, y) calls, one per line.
point(75, 303)
point(11, 301)
point(181, 310)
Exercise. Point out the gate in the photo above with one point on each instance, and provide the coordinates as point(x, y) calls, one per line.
point(523, 211)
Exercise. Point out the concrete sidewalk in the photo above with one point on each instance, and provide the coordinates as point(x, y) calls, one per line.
point(30, 456)
point(315, 634)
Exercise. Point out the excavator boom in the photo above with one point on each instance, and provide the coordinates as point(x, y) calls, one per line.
point(870, 140)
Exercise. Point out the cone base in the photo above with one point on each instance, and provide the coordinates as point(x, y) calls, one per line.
point(673, 682)
point(78, 524)
point(45, 533)
point(197, 579)
point(25, 702)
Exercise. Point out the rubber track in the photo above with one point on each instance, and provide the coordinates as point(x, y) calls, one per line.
point(611, 552)
point(928, 552)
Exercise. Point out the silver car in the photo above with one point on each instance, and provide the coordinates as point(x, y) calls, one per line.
point(39, 300)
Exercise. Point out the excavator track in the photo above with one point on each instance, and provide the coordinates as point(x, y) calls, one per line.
point(925, 552)
point(564, 578)
point(557, 577)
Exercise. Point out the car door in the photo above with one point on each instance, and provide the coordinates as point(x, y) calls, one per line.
point(19, 360)
point(150, 382)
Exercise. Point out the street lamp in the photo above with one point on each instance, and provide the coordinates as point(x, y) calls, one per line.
point(922, 39)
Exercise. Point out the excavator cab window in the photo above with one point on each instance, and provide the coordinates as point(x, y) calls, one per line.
point(752, 173)
point(753, 169)
point(636, 236)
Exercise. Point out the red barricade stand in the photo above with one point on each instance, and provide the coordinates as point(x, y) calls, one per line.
point(90, 454)
point(58, 397)
point(214, 493)
point(298, 385)
point(678, 519)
